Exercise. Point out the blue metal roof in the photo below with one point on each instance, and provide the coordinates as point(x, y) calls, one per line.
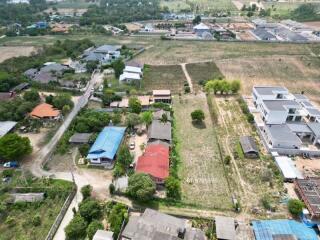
point(107, 143)
point(265, 230)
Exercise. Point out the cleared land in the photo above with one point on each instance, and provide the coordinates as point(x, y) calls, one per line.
point(203, 180)
point(164, 77)
point(257, 176)
point(199, 5)
point(200, 72)
point(9, 52)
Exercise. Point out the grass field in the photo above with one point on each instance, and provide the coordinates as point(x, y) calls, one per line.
point(18, 220)
point(73, 4)
point(200, 72)
point(200, 5)
point(202, 174)
point(258, 175)
point(164, 77)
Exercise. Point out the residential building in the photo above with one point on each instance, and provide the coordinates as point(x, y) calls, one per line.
point(6, 96)
point(282, 229)
point(6, 127)
point(124, 103)
point(155, 162)
point(249, 147)
point(131, 74)
point(156, 225)
point(159, 115)
point(263, 34)
point(21, 87)
point(163, 96)
point(104, 54)
point(225, 228)
point(103, 235)
point(45, 111)
point(106, 146)
point(160, 131)
point(200, 29)
point(287, 168)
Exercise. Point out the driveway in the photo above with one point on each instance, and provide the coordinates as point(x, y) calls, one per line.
point(138, 140)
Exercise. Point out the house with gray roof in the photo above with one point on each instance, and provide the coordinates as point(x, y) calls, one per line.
point(154, 225)
point(225, 228)
point(160, 131)
point(264, 34)
point(249, 147)
point(104, 54)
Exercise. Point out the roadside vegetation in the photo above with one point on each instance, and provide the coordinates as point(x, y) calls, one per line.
point(22, 220)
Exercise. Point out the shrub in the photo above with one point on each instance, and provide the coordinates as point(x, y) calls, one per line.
point(173, 188)
point(86, 191)
point(7, 173)
point(90, 209)
point(92, 228)
point(36, 221)
point(76, 229)
point(197, 115)
point(141, 187)
point(227, 160)
point(295, 206)
point(112, 189)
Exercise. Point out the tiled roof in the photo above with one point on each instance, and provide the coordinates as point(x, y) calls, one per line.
point(44, 110)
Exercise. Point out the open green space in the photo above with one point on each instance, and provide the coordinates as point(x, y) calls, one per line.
point(199, 6)
point(163, 77)
point(30, 221)
point(201, 170)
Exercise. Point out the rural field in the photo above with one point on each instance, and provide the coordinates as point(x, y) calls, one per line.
point(201, 170)
point(200, 5)
point(200, 72)
point(9, 52)
point(164, 77)
point(259, 178)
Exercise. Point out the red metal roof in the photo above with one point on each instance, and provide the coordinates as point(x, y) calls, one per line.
point(154, 161)
point(44, 110)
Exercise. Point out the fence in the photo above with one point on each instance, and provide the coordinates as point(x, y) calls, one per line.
point(61, 214)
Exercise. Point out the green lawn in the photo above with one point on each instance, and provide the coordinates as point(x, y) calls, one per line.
point(17, 221)
point(200, 5)
point(164, 77)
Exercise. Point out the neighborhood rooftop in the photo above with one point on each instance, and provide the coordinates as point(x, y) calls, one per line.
point(282, 133)
point(281, 105)
point(160, 131)
point(6, 127)
point(248, 144)
point(225, 228)
point(270, 90)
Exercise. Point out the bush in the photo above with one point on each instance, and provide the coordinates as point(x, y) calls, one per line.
point(197, 115)
point(36, 221)
point(90, 209)
point(227, 160)
point(76, 229)
point(112, 188)
point(86, 191)
point(173, 188)
point(7, 173)
point(295, 206)
point(92, 228)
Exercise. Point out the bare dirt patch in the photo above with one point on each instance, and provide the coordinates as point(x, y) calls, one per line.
point(309, 168)
point(10, 52)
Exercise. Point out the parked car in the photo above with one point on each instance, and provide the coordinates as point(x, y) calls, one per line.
point(11, 165)
point(132, 146)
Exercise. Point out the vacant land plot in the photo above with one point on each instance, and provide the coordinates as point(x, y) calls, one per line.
point(296, 73)
point(9, 52)
point(258, 177)
point(201, 72)
point(164, 77)
point(202, 174)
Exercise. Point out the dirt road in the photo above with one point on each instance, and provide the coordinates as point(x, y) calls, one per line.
point(184, 69)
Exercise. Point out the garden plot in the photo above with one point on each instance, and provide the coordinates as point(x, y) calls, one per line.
point(164, 77)
point(260, 178)
point(201, 170)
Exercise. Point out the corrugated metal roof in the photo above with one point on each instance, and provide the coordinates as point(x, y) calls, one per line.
point(6, 127)
point(107, 143)
point(286, 165)
point(267, 229)
point(225, 228)
point(248, 144)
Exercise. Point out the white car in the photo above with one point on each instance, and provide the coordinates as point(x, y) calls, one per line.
point(132, 146)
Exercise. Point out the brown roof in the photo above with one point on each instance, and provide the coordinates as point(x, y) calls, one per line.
point(44, 110)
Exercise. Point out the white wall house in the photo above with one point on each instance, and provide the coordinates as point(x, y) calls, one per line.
point(131, 74)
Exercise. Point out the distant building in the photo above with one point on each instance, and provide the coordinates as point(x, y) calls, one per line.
point(156, 225)
point(131, 74)
point(160, 131)
point(200, 29)
point(104, 54)
point(18, 2)
point(163, 96)
point(106, 146)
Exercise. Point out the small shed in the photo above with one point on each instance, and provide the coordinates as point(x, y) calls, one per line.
point(80, 138)
point(225, 228)
point(103, 235)
point(249, 147)
point(287, 168)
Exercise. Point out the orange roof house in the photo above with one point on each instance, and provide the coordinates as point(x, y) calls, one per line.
point(44, 111)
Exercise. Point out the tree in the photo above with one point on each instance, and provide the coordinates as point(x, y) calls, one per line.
point(61, 100)
point(31, 96)
point(65, 109)
point(135, 105)
point(76, 229)
point(173, 188)
point(197, 115)
point(116, 215)
point(92, 228)
point(86, 191)
point(118, 67)
point(84, 149)
point(147, 117)
point(196, 20)
point(141, 187)
point(90, 209)
point(132, 120)
point(124, 157)
point(49, 99)
point(91, 66)
point(108, 96)
point(14, 147)
point(295, 206)
point(235, 86)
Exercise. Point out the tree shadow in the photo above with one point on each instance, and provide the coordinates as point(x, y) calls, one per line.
point(199, 125)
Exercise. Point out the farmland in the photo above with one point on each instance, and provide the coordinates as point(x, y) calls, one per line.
point(9, 52)
point(259, 178)
point(200, 5)
point(163, 77)
point(200, 72)
point(202, 174)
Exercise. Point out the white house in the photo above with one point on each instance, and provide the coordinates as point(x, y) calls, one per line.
point(130, 74)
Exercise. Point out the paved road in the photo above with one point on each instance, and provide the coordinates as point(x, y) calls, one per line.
point(44, 153)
